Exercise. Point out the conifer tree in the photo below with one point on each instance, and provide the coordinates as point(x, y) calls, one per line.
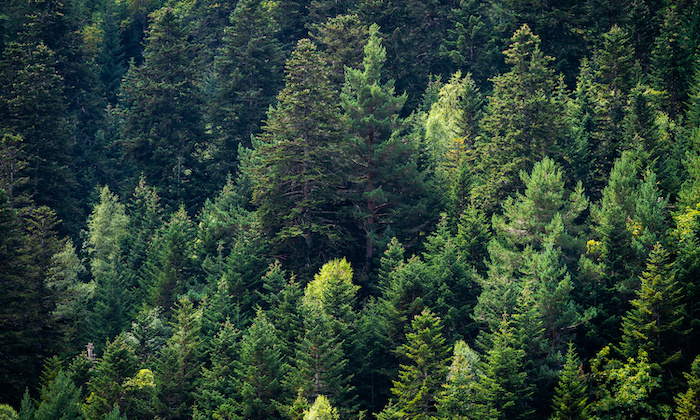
point(250, 72)
point(298, 170)
point(163, 126)
point(504, 391)
point(419, 382)
point(60, 399)
point(322, 410)
point(107, 379)
point(524, 120)
point(260, 370)
point(570, 400)
point(654, 324)
point(688, 403)
point(384, 176)
point(458, 398)
point(180, 366)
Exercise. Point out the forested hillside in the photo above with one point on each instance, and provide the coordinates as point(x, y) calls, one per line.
point(334, 209)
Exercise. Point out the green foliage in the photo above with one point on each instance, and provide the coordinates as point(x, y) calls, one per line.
point(161, 102)
point(297, 173)
point(524, 120)
point(419, 382)
point(624, 390)
point(322, 410)
point(179, 367)
point(688, 403)
point(459, 396)
point(655, 321)
point(8, 413)
point(570, 400)
point(60, 399)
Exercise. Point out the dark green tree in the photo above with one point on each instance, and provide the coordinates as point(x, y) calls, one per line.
point(655, 322)
point(524, 120)
point(179, 368)
point(298, 174)
point(60, 399)
point(163, 129)
point(260, 370)
point(250, 71)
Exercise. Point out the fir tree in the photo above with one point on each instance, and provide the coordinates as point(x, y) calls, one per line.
point(570, 400)
point(688, 403)
point(297, 173)
point(418, 385)
point(524, 120)
point(655, 321)
point(162, 109)
point(60, 399)
point(458, 398)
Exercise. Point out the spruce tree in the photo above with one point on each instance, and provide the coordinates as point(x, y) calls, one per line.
point(570, 400)
point(298, 170)
point(384, 176)
point(179, 367)
point(250, 70)
point(524, 120)
point(688, 403)
point(655, 322)
point(161, 102)
point(418, 386)
point(458, 398)
point(260, 370)
point(60, 399)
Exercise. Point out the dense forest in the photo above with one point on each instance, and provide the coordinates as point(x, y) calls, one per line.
point(335, 209)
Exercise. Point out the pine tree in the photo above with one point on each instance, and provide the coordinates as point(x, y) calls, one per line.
point(458, 398)
point(249, 75)
point(107, 226)
point(570, 400)
point(260, 370)
point(382, 168)
point(688, 403)
point(322, 410)
point(418, 385)
point(504, 391)
point(107, 379)
point(672, 62)
point(60, 399)
point(180, 366)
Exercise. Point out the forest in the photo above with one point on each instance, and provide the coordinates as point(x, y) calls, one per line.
point(335, 209)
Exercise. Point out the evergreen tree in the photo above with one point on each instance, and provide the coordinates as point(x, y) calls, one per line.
point(60, 399)
point(504, 391)
point(524, 119)
point(180, 366)
point(113, 296)
point(162, 109)
point(282, 299)
point(298, 170)
point(260, 370)
point(107, 382)
point(249, 75)
point(322, 410)
point(382, 169)
point(570, 400)
point(672, 62)
point(688, 403)
point(458, 398)
point(654, 324)
point(418, 385)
